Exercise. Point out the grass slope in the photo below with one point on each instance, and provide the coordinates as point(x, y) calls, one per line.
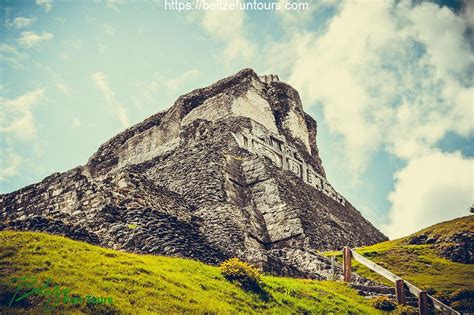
point(142, 284)
point(420, 264)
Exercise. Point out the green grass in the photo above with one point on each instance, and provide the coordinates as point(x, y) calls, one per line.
point(142, 284)
point(419, 264)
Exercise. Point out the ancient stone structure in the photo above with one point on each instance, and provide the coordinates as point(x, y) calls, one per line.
point(230, 170)
point(269, 78)
point(276, 149)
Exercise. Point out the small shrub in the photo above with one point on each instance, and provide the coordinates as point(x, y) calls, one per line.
point(242, 273)
point(383, 303)
point(406, 310)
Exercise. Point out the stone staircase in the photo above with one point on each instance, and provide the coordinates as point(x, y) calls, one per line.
point(372, 291)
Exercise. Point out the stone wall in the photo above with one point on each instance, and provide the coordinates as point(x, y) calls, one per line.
point(283, 155)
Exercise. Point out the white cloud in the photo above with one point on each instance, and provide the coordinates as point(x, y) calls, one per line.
point(9, 164)
point(178, 82)
point(60, 20)
point(227, 26)
point(76, 122)
point(113, 4)
point(45, 4)
point(17, 123)
point(20, 22)
point(100, 79)
point(29, 39)
point(400, 81)
point(16, 118)
point(430, 189)
point(64, 88)
point(295, 19)
point(155, 88)
point(468, 12)
point(393, 76)
point(10, 55)
point(109, 30)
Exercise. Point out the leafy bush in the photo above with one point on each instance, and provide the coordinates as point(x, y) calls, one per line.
point(383, 303)
point(406, 310)
point(242, 273)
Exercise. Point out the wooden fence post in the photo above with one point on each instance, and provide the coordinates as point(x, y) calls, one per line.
point(347, 264)
point(423, 303)
point(333, 268)
point(400, 291)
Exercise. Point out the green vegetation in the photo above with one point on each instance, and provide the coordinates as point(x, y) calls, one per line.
point(406, 310)
point(450, 228)
point(383, 303)
point(142, 284)
point(247, 276)
point(420, 264)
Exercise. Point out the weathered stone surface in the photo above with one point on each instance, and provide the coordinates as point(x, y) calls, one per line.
point(457, 246)
point(231, 170)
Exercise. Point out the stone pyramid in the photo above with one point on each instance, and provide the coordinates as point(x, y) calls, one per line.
point(230, 170)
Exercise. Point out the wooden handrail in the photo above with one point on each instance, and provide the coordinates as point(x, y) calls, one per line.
point(422, 295)
point(371, 265)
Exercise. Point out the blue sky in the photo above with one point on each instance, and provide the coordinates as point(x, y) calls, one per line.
point(390, 84)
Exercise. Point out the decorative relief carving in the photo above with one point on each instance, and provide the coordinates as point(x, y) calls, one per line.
point(269, 78)
point(286, 157)
point(294, 167)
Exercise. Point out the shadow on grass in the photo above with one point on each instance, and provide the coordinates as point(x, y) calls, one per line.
point(258, 290)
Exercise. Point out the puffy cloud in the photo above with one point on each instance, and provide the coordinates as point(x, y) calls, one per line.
point(295, 19)
point(113, 4)
point(29, 39)
point(9, 165)
point(60, 20)
point(468, 13)
point(166, 86)
point(393, 76)
point(430, 189)
point(100, 79)
point(176, 83)
point(76, 122)
point(109, 30)
point(64, 88)
point(16, 117)
point(227, 26)
point(10, 55)
point(400, 82)
point(20, 22)
point(16, 123)
point(45, 4)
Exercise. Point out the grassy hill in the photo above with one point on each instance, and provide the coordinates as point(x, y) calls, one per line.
point(141, 284)
point(418, 257)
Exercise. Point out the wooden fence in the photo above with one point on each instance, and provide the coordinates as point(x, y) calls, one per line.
point(400, 284)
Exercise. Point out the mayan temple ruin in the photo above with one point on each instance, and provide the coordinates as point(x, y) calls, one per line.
point(230, 170)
